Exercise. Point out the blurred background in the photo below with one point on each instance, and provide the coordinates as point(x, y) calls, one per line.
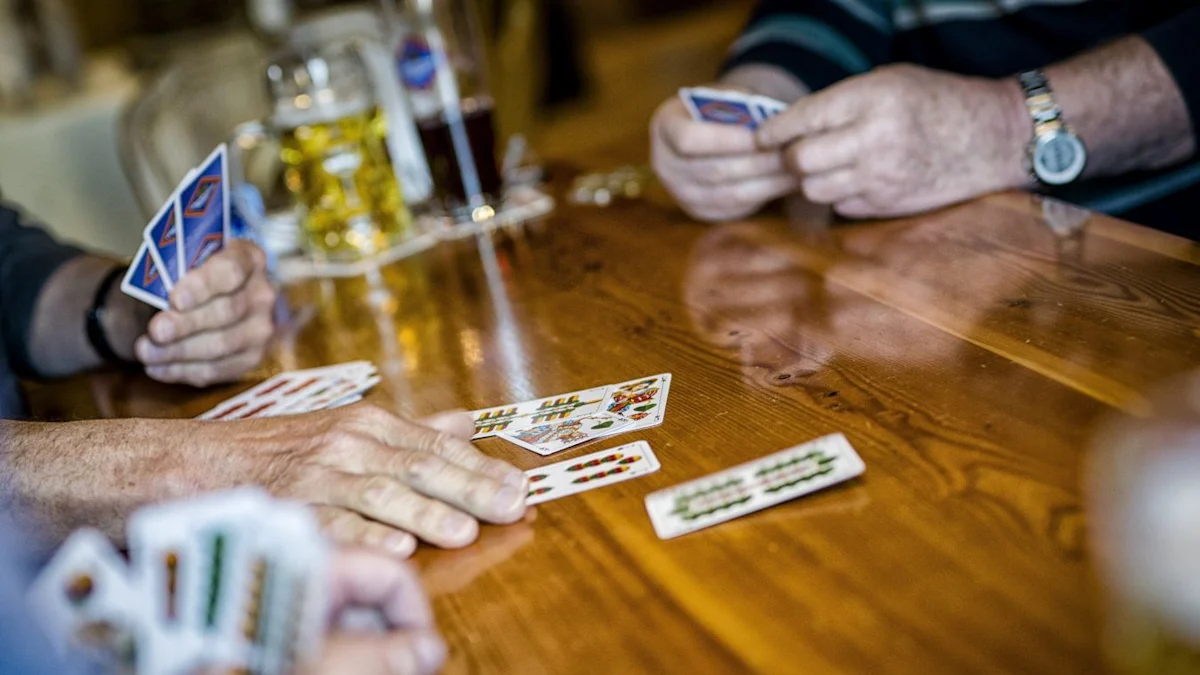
point(104, 104)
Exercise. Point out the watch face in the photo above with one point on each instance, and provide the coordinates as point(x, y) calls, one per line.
point(1059, 158)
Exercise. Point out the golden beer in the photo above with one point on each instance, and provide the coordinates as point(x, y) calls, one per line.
point(340, 172)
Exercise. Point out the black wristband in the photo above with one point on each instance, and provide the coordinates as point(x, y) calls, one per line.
point(95, 317)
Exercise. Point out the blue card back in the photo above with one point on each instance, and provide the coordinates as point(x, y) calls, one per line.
point(204, 201)
point(723, 111)
point(162, 237)
point(143, 280)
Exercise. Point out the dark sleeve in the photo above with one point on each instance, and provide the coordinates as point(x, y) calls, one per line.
point(818, 41)
point(28, 256)
point(1175, 41)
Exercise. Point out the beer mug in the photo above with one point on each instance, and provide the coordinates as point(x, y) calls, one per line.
point(331, 136)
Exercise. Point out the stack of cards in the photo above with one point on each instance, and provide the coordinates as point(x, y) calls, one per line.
point(229, 582)
point(552, 424)
point(300, 391)
point(590, 472)
point(189, 229)
point(729, 107)
point(753, 486)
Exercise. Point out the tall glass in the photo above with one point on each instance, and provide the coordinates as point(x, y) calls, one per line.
point(332, 138)
point(442, 67)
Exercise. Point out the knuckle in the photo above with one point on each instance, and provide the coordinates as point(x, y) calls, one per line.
point(377, 494)
point(421, 468)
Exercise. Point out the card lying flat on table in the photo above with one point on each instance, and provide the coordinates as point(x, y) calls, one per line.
point(753, 486)
point(589, 472)
point(299, 391)
point(643, 401)
point(552, 437)
point(517, 416)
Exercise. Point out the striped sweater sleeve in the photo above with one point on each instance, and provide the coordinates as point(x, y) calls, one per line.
point(818, 41)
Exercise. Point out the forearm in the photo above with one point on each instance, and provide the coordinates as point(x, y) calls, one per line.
point(96, 473)
point(58, 338)
point(1125, 106)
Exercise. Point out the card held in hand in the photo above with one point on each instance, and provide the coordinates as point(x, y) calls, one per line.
point(753, 486)
point(204, 206)
point(143, 281)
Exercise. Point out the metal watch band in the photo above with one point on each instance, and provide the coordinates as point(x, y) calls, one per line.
point(1039, 98)
point(95, 317)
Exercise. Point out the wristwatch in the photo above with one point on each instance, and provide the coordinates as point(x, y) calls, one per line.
point(1056, 155)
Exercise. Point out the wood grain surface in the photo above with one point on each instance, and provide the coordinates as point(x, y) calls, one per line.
point(966, 354)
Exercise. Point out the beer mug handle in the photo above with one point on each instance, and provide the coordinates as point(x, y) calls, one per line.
point(245, 137)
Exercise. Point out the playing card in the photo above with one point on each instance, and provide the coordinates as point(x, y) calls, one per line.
point(144, 282)
point(186, 562)
point(517, 416)
point(766, 107)
point(204, 206)
point(720, 106)
point(643, 400)
point(162, 241)
point(285, 617)
point(289, 390)
point(84, 597)
point(552, 437)
point(335, 396)
point(592, 471)
point(753, 486)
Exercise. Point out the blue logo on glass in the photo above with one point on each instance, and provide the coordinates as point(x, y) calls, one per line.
point(416, 64)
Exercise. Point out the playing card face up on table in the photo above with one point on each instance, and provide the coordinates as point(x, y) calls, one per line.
point(555, 423)
point(300, 391)
point(231, 581)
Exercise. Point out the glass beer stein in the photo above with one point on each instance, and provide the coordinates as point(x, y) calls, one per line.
point(331, 136)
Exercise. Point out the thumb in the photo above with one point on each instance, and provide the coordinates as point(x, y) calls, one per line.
point(834, 107)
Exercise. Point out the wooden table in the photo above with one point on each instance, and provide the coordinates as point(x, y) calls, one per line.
point(965, 354)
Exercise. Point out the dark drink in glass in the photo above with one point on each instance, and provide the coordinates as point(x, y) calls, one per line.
point(438, 141)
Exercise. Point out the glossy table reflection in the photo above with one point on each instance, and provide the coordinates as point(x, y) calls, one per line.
point(966, 354)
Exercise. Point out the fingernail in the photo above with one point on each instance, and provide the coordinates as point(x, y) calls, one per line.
point(456, 525)
point(507, 499)
point(431, 651)
point(164, 331)
point(400, 545)
point(156, 371)
point(517, 479)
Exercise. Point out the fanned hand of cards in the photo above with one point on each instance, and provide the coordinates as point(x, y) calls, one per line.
point(300, 391)
point(555, 423)
point(229, 582)
point(189, 229)
point(725, 106)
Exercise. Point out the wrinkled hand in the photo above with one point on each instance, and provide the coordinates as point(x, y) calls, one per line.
point(903, 139)
point(408, 644)
point(376, 480)
point(219, 323)
point(715, 171)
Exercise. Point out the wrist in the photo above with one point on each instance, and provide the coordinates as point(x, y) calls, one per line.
point(1014, 133)
point(124, 321)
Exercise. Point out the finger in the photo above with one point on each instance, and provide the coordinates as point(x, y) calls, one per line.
point(204, 373)
point(347, 528)
point(363, 578)
point(731, 169)
point(687, 137)
point(740, 198)
point(457, 423)
point(856, 207)
point(434, 476)
point(398, 433)
point(832, 187)
point(256, 296)
point(826, 151)
point(222, 274)
point(387, 500)
point(402, 653)
point(253, 333)
point(834, 107)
